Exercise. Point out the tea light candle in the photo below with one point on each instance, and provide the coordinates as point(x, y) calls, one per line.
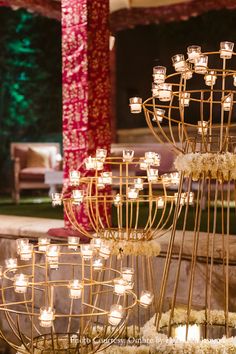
point(120, 286)
point(43, 242)
point(74, 178)
point(21, 242)
point(86, 251)
point(106, 177)
point(158, 115)
point(227, 103)
point(184, 99)
point(11, 263)
point(210, 78)
point(52, 254)
point(193, 333)
point(202, 127)
point(104, 251)
point(127, 274)
point(75, 289)
point(182, 198)
point(146, 298)
point(138, 183)
point(132, 193)
point(135, 104)
point(98, 165)
point(101, 154)
point(90, 163)
point(226, 50)
point(155, 89)
point(160, 203)
point(165, 92)
point(179, 62)
point(78, 196)
point(201, 64)
point(150, 157)
point(152, 175)
point(47, 316)
point(174, 178)
point(234, 79)
point(56, 199)
point(96, 242)
point(115, 315)
point(191, 198)
point(143, 164)
point(128, 155)
point(159, 74)
point(73, 242)
point(97, 264)
point(26, 252)
point(193, 52)
point(21, 282)
point(117, 199)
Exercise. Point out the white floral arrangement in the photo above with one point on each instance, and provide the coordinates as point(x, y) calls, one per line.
point(160, 343)
point(137, 248)
point(220, 166)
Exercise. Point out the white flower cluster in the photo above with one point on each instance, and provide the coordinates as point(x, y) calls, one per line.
point(160, 343)
point(219, 166)
point(138, 248)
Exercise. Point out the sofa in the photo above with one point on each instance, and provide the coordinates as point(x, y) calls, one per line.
point(30, 161)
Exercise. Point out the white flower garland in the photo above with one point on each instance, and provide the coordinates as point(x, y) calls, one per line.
point(160, 343)
point(220, 166)
point(137, 248)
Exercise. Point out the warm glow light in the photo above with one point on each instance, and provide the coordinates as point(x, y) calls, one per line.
point(115, 315)
point(135, 104)
point(193, 333)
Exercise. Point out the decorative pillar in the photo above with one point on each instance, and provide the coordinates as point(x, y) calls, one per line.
point(86, 83)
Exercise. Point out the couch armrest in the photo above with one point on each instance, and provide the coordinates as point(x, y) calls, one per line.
point(15, 170)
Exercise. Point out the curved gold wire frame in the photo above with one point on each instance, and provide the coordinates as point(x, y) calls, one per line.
point(137, 219)
point(81, 325)
point(214, 197)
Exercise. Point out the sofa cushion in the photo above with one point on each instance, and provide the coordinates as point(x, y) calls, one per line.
point(33, 174)
point(39, 158)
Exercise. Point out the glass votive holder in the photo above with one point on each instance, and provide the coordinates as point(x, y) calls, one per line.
point(191, 198)
point(174, 178)
point(73, 242)
point(56, 199)
point(165, 92)
point(187, 73)
point(155, 90)
point(128, 155)
point(98, 164)
point(234, 79)
point(135, 104)
point(78, 196)
point(202, 127)
point(150, 157)
point(96, 243)
point(146, 298)
point(115, 315)
point(132, 193)
point(152, 175)
point(182, 198)
point(11, 264)
point(100, 184)
point(21, 282)
point(26, 252)
point(106, 177)
point(226, 50)
point(86, 251)
point(194, 333)
point(159, 74)
point(117, 199)
point(143, 165)
point(98, 263)
point(227, 103)
point(158, 115)
point(193, 52)
point(179, 62)
point(210, 78)
point(21, 242)
point(52, 254)
point(201, 64)
point(74, 178)
point(184, 99)
point(47, 316)
point(120, 285)
point(138, 183)
point(160, 203)
point(75, 289)
point(101, 154)
point(104, 251)
point(43, 242)
point(90, 163)
point(127, 274)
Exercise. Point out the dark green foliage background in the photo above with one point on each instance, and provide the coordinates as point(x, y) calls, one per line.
point(30, 81)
